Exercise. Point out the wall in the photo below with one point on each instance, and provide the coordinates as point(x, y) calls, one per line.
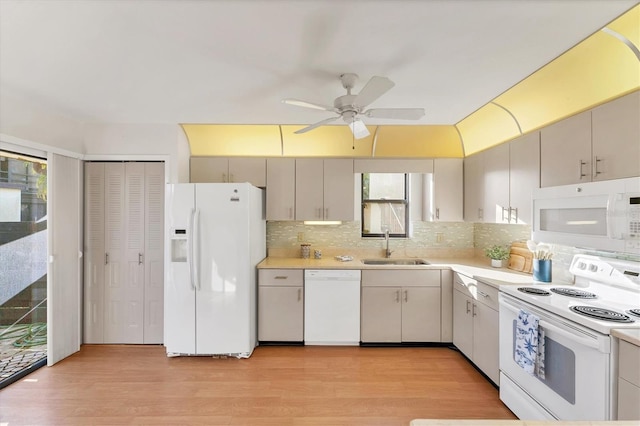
point(25, 120)
point(165, 142)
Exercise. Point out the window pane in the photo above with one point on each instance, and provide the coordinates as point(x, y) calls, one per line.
point(23, 263)
point(383, 186)
point(377, 218)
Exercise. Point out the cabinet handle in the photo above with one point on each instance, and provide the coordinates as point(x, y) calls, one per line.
point(480, 214)
point(139, 258)
point(580, 164)
point(596, 160)
point(482, 293)
point(299, 294)
point(224, 177)
point(503, 210)
point(516, 210)
point(406, 296)
point(397, 296)
point(468, 303)
point(281, 277)
point(326, 213)
point(106, 258)
point(473, 310)
point(437, 213)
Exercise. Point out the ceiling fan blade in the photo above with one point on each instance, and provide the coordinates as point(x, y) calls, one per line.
point(318, 124)
point(358, 129)
point(306, 104)
point(375, 87)
point(396, 113)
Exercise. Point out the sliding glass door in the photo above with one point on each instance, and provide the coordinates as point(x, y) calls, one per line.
point(23, 264)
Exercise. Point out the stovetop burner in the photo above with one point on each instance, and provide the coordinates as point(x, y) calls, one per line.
point(532, 290)
point(572, 292)
point(634, 312)
point(601, 314)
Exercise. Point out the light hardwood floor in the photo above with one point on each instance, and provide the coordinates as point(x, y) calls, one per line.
point(277, 386)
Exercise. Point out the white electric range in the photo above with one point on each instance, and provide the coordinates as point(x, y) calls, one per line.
point(580, 356)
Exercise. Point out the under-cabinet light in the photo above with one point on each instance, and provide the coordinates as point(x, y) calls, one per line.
point(323, 222)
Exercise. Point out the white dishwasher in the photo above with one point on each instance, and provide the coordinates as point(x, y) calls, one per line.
point(331, 307)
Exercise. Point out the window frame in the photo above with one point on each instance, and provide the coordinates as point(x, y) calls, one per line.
point(404, 201)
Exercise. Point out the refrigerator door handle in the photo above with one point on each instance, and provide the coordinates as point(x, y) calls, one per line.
point(196, 266)
point(190, 249)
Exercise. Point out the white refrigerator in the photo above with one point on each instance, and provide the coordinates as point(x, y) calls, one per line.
point(216, 235)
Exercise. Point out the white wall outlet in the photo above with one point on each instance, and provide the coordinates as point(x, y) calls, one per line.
point(439, 237)
point(300, 236)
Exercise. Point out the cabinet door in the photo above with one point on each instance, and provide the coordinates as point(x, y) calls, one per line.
point(381, 318)
point(524, 176)
point(309, 189)
point(473, 188)
point(496, 184)
point(486, 341)
point(280, 314)
point(447, 177)
point(616, 138)
point(281, 188)
point(338, 189)
point(421, 314)
point(462, 323)
point(247, 169)
point(209, 170)
point(565, 151)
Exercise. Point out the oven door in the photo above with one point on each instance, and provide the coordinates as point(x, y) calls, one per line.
point(577, 368)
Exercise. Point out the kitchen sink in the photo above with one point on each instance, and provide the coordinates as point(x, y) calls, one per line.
point(395, 262)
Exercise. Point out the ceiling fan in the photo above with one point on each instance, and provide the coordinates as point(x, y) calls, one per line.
point(352, 107)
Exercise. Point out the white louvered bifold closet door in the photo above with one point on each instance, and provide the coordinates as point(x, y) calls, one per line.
point(94, 252)
point(64, 177)
point(154, 253)
point(129, 308)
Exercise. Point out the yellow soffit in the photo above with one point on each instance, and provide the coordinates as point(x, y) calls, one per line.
point(234, 140)
point(599, 69)
point(488, 126)
point(325, 141)
point(433, 141)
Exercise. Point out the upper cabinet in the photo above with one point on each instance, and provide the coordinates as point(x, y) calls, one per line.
point(447, 190)
point(498, 182)
point(229, 169)
point(324, 189)
point(281, 188)
point(565, 151)
point(600, 144)
point(616, 138)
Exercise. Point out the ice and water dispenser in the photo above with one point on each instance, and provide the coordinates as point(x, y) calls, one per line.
point(179, 245)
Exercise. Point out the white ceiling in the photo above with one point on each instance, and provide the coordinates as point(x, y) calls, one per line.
point(218, 62)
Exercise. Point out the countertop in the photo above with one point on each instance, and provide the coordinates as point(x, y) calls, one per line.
point(631, 335)
point(428, 422)
point(474, 267)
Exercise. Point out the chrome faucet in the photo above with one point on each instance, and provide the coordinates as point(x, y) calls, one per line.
point(388, 252)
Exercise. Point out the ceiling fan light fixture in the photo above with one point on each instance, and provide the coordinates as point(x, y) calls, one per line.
point(358, 129)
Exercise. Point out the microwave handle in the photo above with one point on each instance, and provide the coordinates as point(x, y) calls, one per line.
point(614, 211)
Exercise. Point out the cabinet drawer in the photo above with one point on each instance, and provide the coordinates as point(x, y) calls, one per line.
point(629, 368)
point(280, 277)
point(401, 277)
point(487, 295)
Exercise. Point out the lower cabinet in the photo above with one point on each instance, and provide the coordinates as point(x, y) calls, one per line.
point(628, 382)
point(280, 305)
point(400, 306)
point(475, 323)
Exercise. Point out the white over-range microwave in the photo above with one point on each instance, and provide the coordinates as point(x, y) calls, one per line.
point(597, 215)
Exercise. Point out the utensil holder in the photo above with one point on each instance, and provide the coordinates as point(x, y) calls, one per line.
point(542, 270)
point(305, 250)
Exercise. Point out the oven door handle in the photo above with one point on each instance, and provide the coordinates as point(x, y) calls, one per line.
point(584, 341)
point(579, 338)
